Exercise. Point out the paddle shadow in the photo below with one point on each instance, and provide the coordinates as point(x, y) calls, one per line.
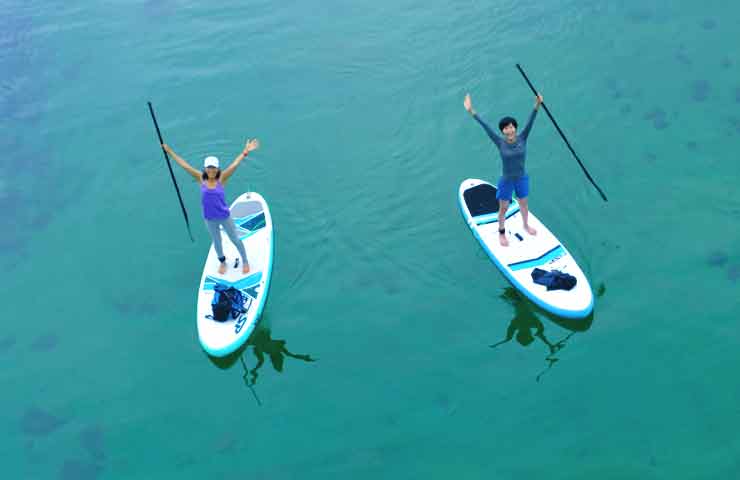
point(526, 326)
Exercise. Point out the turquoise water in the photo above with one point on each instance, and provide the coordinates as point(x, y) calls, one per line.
point(364, 142)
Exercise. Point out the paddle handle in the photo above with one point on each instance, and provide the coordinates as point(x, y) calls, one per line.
point(156, 126)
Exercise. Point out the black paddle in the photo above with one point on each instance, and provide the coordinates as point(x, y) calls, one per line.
point(172, 174)
point(562, 134)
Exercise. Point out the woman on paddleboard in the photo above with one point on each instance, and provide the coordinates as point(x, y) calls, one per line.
point(215, 211)
point(513, 150)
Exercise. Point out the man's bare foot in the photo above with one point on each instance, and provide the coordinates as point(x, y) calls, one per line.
point(245, 268)
point(222, 268)
point(503, 240)
point(530, 230)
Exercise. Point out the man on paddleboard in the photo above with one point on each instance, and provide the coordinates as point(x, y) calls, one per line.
point(514, 178)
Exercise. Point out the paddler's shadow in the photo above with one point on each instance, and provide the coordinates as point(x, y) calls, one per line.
point(526, 327)
point(264, 345)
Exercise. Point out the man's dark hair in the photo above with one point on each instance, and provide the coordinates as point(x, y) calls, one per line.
point(507, 121)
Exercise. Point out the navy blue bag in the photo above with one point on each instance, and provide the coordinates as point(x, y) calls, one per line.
point(228, 302)
point(554, 279)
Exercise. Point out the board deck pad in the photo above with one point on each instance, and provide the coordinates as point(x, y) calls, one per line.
point(251, 216)
point(525, 252)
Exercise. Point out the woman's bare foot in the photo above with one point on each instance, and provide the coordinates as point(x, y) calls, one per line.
point(245, 268)
point(503, 240)
point(222, 268)
point(530, 230)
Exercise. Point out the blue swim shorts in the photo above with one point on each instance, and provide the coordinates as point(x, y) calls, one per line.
point(506, 187)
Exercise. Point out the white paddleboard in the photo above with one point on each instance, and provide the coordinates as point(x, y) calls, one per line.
point(254, 227)
point(525, 252)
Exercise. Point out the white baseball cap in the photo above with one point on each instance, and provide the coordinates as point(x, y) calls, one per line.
point(210, 162)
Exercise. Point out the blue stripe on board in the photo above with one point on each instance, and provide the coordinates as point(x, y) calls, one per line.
point(493, 217)
point(254, 224)
point(245, 282)
point(542, 259)
point(240, 220)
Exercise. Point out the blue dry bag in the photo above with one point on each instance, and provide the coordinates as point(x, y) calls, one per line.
point(228, 302)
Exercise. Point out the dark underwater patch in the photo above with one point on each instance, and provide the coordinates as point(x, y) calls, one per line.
point(733, 273)
point(92, 440)
point(45, 343)
point(683, 58)
point(717, 259)
point(38, 423)
point(700, 90)
point(6, 343)
point(709, 24)
point(659, 118)
point(79, 470)
point(660, 123)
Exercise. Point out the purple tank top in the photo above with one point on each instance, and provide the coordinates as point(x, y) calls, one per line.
point(214, 204)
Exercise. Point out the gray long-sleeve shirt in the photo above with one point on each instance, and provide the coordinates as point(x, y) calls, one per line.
point(512, 154)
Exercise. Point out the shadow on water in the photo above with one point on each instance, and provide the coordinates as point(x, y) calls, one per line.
point(263, 346)
point(526, 326)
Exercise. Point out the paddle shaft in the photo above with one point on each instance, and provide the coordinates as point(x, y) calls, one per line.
point(172, 174)
point(567, 143)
